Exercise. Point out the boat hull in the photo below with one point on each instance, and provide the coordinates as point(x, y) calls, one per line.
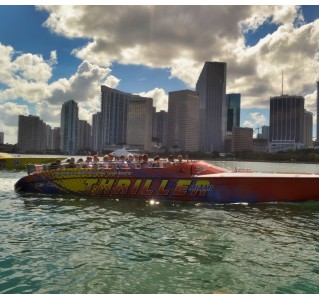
point(184, 186)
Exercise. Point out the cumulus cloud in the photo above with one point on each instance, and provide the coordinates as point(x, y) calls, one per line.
point(157, 34)
point(160, 98)
point(23, 75)
point(84, 87)
point(259, 118)
point(26, 76)
point(9, 120)
point(272, 13)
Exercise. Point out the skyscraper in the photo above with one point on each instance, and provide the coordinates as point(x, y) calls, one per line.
point(139, 123)
point(114, 116)
point(233, 111)
point(69, 127)
point(183, 120)
point(49, 137)
point(32, 135)
point(56, 138)
point(97, 132)
point(84, 135)
point(161, 127)
point(308, 129)
point(1, 137)
point(211, 87)
point(286, 129)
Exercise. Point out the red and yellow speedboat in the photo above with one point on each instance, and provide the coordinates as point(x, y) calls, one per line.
point(187, 181)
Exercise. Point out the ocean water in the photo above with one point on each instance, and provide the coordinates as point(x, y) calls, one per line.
point(54, 244)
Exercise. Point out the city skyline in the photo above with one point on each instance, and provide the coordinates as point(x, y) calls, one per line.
point(45, 62)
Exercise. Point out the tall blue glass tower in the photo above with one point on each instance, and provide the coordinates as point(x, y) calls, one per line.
point(233, 111)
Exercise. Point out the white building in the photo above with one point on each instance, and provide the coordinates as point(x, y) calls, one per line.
point(69, 127)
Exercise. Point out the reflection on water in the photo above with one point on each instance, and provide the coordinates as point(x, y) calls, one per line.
point(54, 244)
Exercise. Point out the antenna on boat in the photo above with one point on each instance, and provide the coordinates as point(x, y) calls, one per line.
point(282, 82)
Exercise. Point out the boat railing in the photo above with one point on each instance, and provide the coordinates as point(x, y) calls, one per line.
point(243, 170)
point(31, 168)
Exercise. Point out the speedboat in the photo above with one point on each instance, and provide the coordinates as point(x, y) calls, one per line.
point(17, 162)
point(186, 181)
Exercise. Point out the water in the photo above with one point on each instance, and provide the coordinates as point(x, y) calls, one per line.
point(90, 245)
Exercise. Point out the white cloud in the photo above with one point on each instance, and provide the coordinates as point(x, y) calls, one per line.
point(53, 57)
point(271, 13)
point(247, 123)
point(311, 102)
point(148, 35)
point(160, 99)
point(9, 120)
point(84, 87)
point(26, 76)
point(259, 119)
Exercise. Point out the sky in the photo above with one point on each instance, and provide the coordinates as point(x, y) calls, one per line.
point(51, 54)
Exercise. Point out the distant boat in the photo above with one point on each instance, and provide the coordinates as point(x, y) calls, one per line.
point(11, 162)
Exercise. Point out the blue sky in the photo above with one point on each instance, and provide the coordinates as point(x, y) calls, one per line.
point(52, 54)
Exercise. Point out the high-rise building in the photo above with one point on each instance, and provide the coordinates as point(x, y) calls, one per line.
point(286, 130)
point(183, 120)
point(265, 132)
point(161, 127)
point(56, 138)
point(114, 116)
point(154, 125)
point(233, 111)
point(139, 122)
point(211, 87)
point(49, 135)
point(1, 137)
point(97, 132)
point(32, 137)
point(84, 135)
point(242, 139)
point(308, 142)
point(69, 127)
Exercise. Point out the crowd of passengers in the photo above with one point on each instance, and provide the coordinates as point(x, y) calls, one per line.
point(111, 161)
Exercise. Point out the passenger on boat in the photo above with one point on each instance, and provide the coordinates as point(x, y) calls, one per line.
point(106, 161)
point(180, 159)
point(170, 160)
point(111, 157)
point(130, 158)
point(145, 163)
point(122, 162)
point(55, 165)
point(79, 163)
point(156, 163)
point(95, 161)
point(71, 163)
point(88, 162)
